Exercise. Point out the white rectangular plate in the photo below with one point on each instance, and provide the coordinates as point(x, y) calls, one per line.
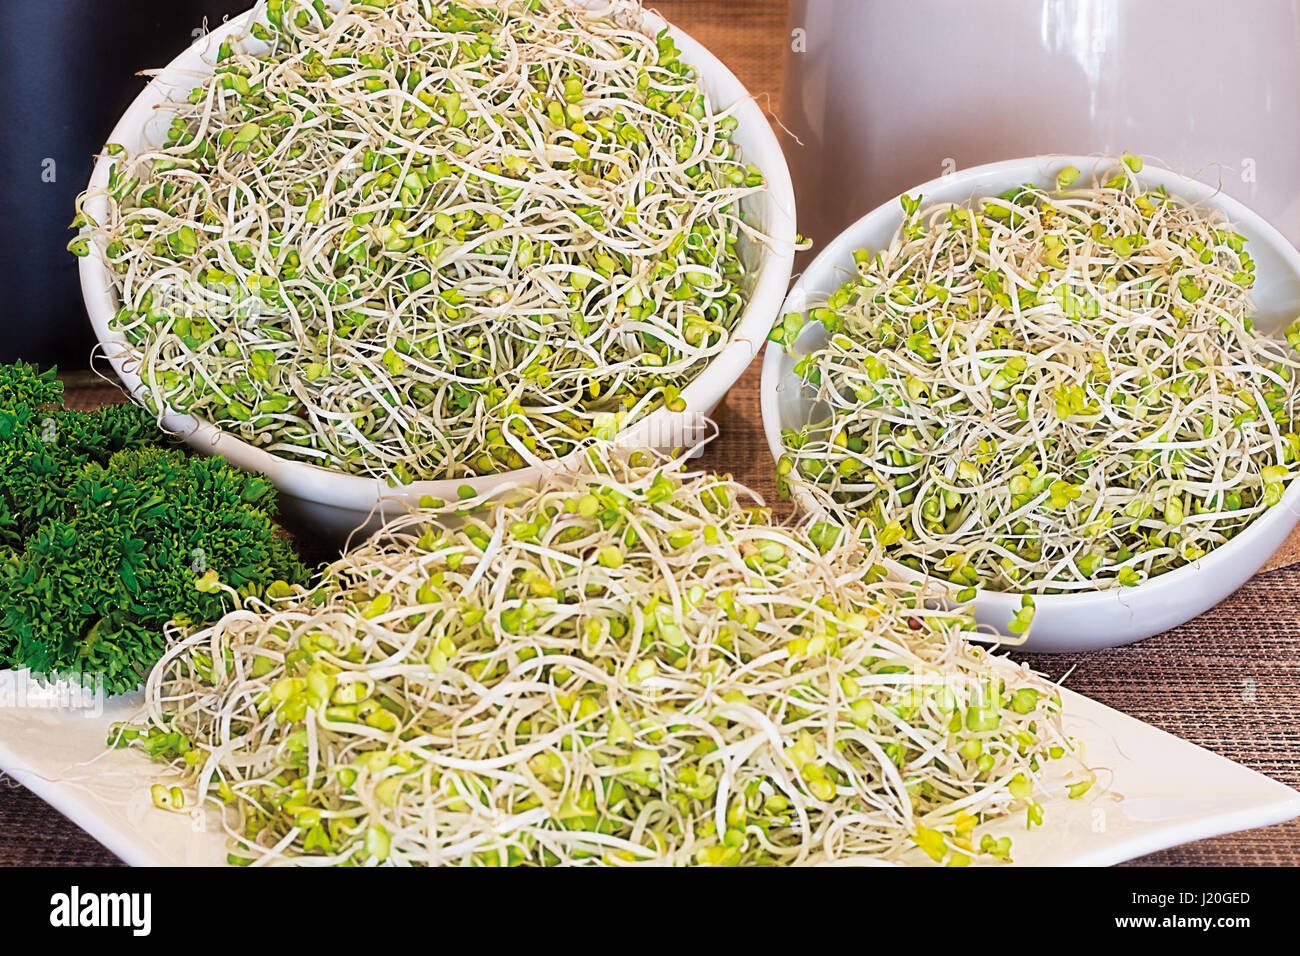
point(1156, 791)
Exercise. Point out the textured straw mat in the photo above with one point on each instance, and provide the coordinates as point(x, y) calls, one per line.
point(1228, 681)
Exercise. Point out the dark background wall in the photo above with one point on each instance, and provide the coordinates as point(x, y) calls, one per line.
point(67, 72)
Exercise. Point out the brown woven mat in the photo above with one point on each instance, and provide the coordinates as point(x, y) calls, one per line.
point(1228, 681)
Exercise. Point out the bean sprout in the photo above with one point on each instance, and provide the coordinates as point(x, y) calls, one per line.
point(1058, 390)
point(627, 666)
point(425, 240)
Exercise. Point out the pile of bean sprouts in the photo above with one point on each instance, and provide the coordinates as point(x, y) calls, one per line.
point(426, 240)
point(627, 666)
point(1058, 389)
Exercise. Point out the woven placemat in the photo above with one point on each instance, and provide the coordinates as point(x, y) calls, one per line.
point(1228, 681)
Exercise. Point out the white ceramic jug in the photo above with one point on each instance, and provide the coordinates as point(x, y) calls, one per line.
point(885, 94)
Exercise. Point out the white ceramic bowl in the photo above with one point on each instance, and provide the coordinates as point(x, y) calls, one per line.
point(1092, 619)
point(333, 503)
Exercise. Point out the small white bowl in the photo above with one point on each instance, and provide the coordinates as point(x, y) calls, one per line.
point(1090, 619)
point(333, 503)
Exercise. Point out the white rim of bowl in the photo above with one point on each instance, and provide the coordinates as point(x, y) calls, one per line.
point(839, 251)
point(323, 485)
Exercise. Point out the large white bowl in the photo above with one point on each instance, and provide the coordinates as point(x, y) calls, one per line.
point(333, 503)
point(1091, 619)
